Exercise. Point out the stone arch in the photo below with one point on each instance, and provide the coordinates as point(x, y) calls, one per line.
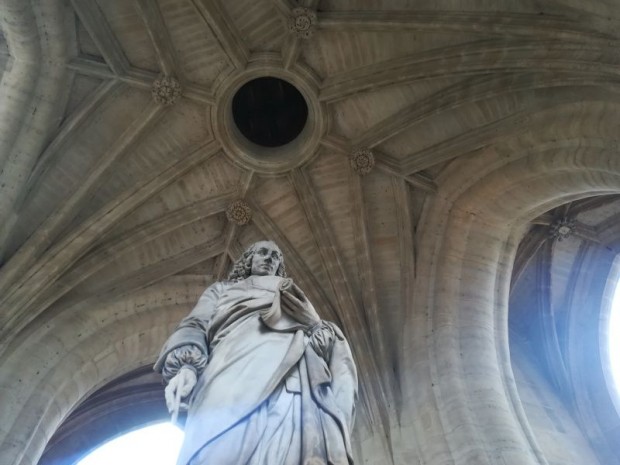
point(77, 353)
point(459, 326)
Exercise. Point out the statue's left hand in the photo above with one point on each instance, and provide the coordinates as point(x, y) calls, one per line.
point(321, 333)
point(179, 387)
point(295, 298)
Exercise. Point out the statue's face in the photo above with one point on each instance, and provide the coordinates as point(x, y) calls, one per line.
point(266, 260)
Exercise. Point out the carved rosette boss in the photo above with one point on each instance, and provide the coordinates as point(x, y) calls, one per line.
point(562, 228)
point(239, 213)
point(166, 90)
point(302, 22)
point(362, 161)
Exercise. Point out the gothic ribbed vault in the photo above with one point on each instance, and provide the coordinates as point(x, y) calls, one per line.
point(440, 136)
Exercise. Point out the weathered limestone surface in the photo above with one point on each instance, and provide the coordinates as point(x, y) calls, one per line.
point(445, 139)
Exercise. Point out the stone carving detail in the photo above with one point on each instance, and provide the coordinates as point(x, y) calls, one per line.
point(302, 22)
point(239, 213)
point(166, 90)
point(276, 367)
point(562, 228)
point(362, 161)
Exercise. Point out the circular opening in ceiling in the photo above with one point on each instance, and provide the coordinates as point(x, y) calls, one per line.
point(269, 112)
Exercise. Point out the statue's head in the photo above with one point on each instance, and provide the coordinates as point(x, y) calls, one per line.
point(262, 258)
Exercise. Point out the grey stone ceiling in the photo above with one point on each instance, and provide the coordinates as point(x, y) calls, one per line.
point(480, 117)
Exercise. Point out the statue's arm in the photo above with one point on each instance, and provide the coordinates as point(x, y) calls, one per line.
point(344, 376)
point(188, 345)
point(189, 356)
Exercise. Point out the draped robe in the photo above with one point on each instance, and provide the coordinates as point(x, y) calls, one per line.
point(279, 386)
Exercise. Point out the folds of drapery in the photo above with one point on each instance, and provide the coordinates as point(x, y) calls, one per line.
point(255, 345)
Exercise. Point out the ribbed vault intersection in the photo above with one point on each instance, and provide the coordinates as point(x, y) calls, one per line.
point(436, 133)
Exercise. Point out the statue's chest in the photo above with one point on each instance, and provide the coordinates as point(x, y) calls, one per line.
point(254, 287)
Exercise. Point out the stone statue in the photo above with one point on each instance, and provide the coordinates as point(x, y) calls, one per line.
point(264, 379)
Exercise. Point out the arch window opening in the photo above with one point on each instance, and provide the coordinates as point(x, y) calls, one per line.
point(157, 444)
point(614, 337)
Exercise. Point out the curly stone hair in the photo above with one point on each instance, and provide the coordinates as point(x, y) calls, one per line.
point(242, 268)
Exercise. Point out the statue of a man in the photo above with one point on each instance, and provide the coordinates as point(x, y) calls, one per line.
point(265, 380)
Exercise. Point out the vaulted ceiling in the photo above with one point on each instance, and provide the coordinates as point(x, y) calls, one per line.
point(119, 164)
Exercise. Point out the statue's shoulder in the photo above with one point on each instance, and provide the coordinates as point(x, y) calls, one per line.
point(221, 286)
point(217, 288)
point(225, 286)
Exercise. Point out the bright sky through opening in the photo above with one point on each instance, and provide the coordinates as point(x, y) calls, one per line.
point(614, 337)
point(156, 445)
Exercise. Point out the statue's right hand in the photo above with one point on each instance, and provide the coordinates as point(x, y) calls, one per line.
point(179, 387)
